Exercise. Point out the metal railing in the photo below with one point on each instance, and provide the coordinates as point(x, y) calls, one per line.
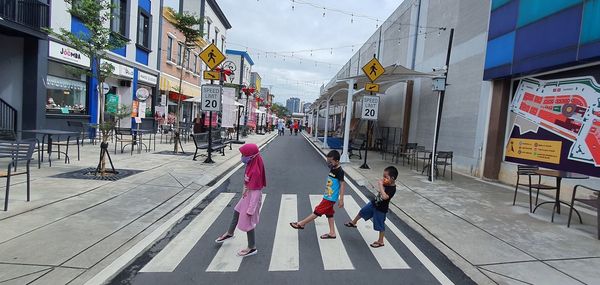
point(8, 118)
point(31, 13)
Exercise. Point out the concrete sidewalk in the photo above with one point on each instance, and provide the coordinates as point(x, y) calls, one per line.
point(474, 223)
point(73, 228)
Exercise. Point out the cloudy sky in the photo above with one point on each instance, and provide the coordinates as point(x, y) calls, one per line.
point(270, 30)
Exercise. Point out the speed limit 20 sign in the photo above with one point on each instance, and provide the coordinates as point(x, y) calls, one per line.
point(211, 98)
point(370, 107)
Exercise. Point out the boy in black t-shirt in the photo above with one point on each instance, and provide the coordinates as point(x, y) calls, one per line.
point(376, 210)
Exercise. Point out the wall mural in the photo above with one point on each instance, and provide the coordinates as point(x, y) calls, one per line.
point(556, 124)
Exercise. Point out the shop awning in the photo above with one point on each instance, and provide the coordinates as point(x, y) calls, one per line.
point(393, 75)
point(174, 96)
point(170, 84)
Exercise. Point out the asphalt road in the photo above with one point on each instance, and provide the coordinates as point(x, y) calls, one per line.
point(295, 170)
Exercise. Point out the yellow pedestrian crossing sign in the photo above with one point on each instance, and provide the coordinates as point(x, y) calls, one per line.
point(372, 87)
point(211, 75)
point(212, 56)
point(373, 69)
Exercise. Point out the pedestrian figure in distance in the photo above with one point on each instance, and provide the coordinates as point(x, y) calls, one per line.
point(296, 128)
point(247, 210)
point(291, 126)
point(281, 127)
point(377, 209)
point(334, 192)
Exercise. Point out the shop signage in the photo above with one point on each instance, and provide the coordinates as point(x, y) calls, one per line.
point(65, 53)
point(148, 78)
point(211, 98)
point(142, 110)
point(105, 88)
point(370, 108)
point(121, 70)
point(134, 108)
point(556, 124)
point(112, 103)
point(142, 94)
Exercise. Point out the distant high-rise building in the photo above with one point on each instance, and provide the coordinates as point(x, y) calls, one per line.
point(293, 105)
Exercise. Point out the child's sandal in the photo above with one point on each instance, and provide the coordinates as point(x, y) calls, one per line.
point(376, 245)
point(350, 225)
point(296, 226)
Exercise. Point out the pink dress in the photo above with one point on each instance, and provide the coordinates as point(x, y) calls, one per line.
point(249, 208)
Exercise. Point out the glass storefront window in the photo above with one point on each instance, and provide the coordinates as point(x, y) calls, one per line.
point(65, 96)
point(66, 89)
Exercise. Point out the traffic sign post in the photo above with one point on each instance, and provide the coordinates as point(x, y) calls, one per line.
point(369, 112)
point(211, 101)
point(212, 56)
point(211, 75)
point(373, 69)
point(372, 87)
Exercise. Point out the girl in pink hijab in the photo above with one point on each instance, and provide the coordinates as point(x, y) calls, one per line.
point(247, 210)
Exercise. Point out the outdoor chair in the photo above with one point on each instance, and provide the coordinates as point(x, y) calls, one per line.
point(124, 137)
point(593, 201)
point(82, 129)
point(445, 158)
point(407, 152)
point(201, 143)
point(76, 140)
point(530, 172)
point(357, 144)
point(19, 154)
point(167, 131)
point(225, 141)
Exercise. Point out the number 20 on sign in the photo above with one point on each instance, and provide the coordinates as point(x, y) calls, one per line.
point(211, 98)
point(370, 108)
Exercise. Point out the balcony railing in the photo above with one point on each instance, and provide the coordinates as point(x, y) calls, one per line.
point(31, 13)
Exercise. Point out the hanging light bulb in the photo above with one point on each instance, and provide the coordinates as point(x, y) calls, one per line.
point(439, 32)
point(293, 5)
point(377, 26)
point(351, 18)
point(331, 52)
point(311, 52)
point(352, 48)
point(324, 9)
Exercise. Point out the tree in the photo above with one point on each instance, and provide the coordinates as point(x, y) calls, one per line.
point(191, 28)
point(280, 110)
point(94, 14)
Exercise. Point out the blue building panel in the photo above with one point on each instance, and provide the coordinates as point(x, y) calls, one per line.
point(498, 3)
point(503, 20)
point(534, 10)
point(589, 51)
point(121, 51)
point(141, 56)
point(78, 28)
point(500, 51)
point(590, 28)
point(145, 4)
point(550, 35)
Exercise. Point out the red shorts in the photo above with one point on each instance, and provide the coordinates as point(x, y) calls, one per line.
point(325, 208)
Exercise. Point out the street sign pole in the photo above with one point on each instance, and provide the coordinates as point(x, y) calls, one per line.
point(365, 165)
point(209, 150)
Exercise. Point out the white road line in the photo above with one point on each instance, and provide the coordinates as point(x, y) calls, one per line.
point(226, 259)
point(387, 257)
point(333, 252)
point(286, 253)
point(433, 269)
point(170, 257)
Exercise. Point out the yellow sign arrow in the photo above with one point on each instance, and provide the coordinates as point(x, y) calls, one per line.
point(372, 87)
point(373, 69)
point(212, 56)
point(212, 75)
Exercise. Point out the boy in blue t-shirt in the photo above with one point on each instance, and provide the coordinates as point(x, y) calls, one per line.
point(334, 192)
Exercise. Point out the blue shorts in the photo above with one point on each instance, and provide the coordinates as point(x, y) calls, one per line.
point(378, 217)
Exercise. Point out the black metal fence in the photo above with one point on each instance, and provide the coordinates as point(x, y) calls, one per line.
point(31, 13)
point(8, 120)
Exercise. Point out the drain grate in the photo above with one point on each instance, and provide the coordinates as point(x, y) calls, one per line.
point(89, 174)
point(170, 152)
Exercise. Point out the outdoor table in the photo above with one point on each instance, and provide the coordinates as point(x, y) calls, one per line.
point(138, 135)
point(49, 133)
point(559, 175)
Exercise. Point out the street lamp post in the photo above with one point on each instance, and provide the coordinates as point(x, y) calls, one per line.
point(237, 131)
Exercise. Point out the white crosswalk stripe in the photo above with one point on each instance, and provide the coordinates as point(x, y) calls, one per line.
point(226, 259)
point(286, 254)
point(168, 258)
point(387, 257)
point(333, 252)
